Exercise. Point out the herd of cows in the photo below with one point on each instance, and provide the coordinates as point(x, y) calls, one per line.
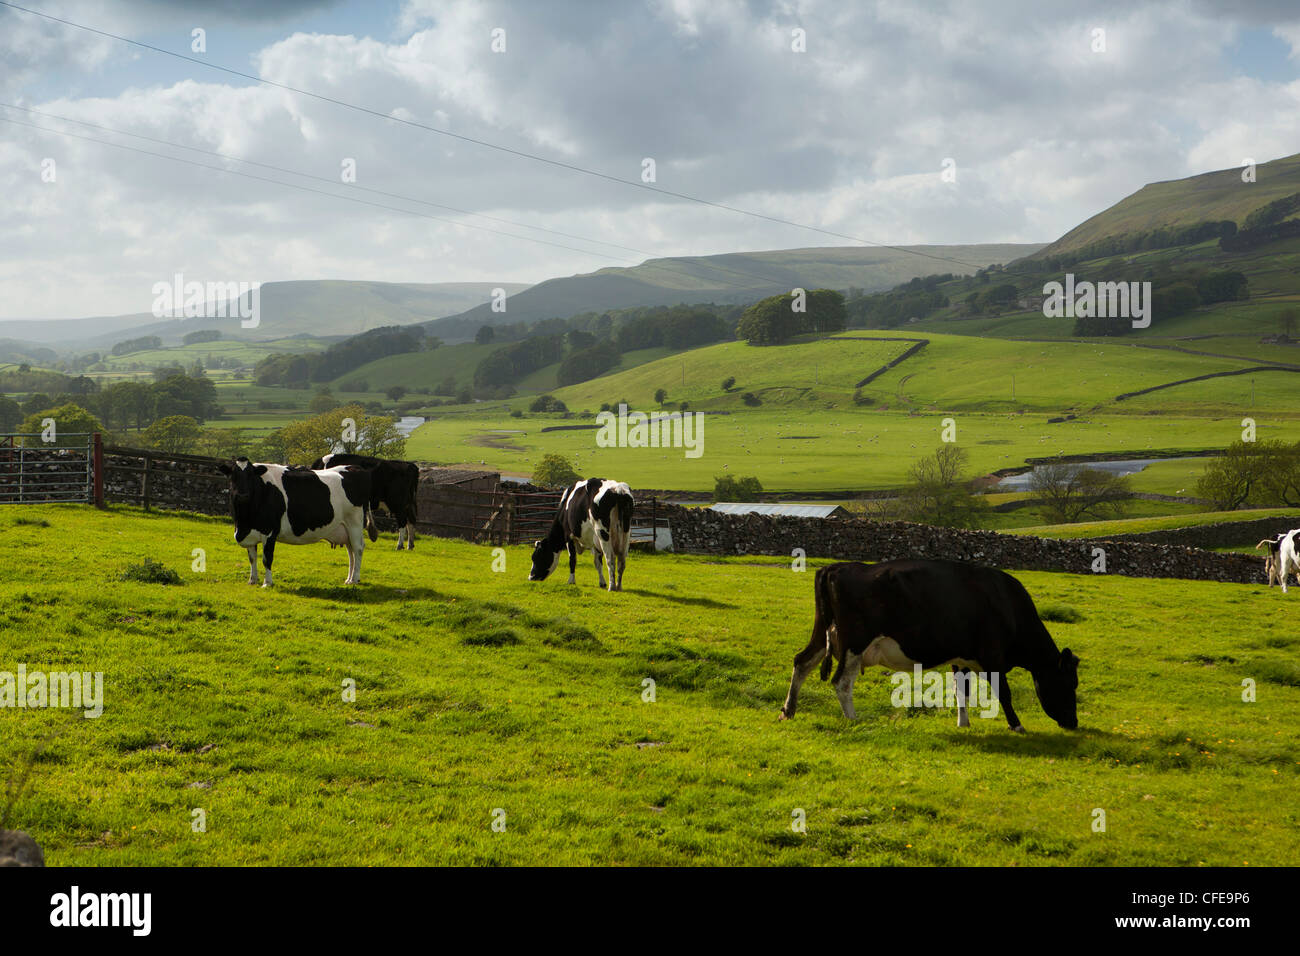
point(895, 614)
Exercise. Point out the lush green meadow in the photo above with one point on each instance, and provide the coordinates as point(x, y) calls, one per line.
point(801, 449)
point(478, 692)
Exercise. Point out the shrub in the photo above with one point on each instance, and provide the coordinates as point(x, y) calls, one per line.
point(547, 403)
point(728, 383)
point(554, 471)
point(749, 398)
point(150, 571)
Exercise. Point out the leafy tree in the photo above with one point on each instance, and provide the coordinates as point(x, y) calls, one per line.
point(222, 443)
point(1073, 492)
point(554, 471)
point(69, 419)
point(323, 401)
point(732, 488)
point(396, 392)
point(177, 434)
point(485, 335)
point(548, 404)
point(661, 396)
point(587, 363)
point(1265, 473)
point(938, 494)
point(728, 383)
point(11, 413)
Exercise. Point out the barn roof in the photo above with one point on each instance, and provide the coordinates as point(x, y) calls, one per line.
point(781, 509)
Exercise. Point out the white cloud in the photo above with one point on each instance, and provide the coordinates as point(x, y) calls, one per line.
point(848, 136)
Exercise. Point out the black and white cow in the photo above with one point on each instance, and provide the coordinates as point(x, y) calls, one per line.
point(900, 613)
point(595, 514)
point(1288, 556)
point(1272, 546)
point(273, 503)
point(393, 484)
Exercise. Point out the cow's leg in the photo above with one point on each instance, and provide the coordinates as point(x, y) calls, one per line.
point(1004, 698)
point(961, 678)
point(410, 536)
point(252, 564)
point(804, 662)
point(611, 562)
point(844, 687)
point(573, 563)
point(596, 555)
point(356, 545)
point(268, 552)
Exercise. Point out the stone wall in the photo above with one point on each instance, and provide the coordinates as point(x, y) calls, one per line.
point(1224, 534)
point(701, 531)
point(176, 482)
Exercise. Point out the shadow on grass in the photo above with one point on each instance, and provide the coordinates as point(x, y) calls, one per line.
point(698, 601)
point(1047, 741)
point(367, 593)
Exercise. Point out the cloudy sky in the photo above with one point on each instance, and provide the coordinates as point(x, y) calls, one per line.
point(849, 135)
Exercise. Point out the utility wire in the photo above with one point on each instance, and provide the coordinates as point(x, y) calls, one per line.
point(523, 154)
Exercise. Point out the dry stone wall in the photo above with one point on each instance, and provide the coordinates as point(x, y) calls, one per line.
point(701, 531)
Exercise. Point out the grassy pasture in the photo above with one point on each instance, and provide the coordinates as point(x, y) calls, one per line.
point(804, 449)
point(477, 691)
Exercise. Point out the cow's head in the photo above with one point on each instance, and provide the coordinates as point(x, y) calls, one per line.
point(245, 481)
point(1057, 690)
point(545, 560)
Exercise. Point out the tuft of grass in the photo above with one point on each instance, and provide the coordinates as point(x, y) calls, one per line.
point(1061, 613)
point(149, 571)
point(24, 521)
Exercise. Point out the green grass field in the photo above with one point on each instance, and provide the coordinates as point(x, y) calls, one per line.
point(478, 694)
point(793, 449)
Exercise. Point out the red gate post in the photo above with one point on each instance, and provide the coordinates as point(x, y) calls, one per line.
point(99, 470)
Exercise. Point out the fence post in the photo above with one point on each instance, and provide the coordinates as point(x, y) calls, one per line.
point(510, 518)
point(148, 475)
point(98, 465)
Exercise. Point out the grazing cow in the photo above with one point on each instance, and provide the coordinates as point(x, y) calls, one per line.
point(1288, 556)
point(897, 614)
point(273, 503)
point(595, 514)
point(393, 484)
point(1270, 557)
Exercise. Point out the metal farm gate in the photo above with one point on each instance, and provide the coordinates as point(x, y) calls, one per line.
point(505, 516)
point(35, 471)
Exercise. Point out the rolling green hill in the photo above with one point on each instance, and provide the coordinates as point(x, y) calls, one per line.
point(737, 277)
point(1208, 197)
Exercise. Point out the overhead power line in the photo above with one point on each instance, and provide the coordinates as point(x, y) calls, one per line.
point(523, 154)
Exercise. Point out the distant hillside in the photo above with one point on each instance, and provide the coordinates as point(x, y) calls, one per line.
point(1208, 197)
point(312, 307)
point(734, 277)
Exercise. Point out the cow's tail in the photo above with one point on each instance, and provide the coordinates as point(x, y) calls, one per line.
point(371, 528)
point(1272, 544)
point(824, 617)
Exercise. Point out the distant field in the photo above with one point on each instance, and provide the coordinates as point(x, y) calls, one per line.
point(793, 449)
point(825, 369)
point(479, 694)
point(1097, 529)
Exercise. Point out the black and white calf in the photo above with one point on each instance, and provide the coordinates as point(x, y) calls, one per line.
point(393, 484)
point(273, 503)
point(897, 614)
point(595, 514)
point(1273, 546)
point(1288, 556)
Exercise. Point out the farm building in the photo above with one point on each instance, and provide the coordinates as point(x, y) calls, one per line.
point(780, 509)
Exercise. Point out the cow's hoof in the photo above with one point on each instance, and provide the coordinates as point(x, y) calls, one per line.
point(1018, 730)
point(781, 715)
